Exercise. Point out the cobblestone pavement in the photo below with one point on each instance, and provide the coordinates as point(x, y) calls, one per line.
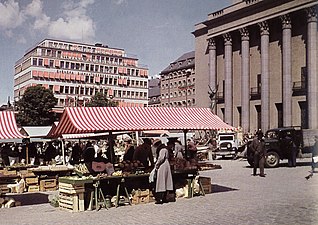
point(283, 197)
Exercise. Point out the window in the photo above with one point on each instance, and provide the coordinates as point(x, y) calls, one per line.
point(67, 65)
point(62, 64)
point(40, 62)
point(66, 90)
point(34, 61)
point(51, 63)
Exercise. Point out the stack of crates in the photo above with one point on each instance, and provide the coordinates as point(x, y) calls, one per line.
point(31, 180)
point(71, 197)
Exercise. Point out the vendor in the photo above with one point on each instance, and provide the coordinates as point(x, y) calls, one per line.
point(143, 153)
point(89, 156)
point(129, 150)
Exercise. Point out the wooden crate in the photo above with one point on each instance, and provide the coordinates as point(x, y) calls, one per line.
point(4, 189)
point(206, 184)
point(141, 196)
point(48, 185)
point(31, 180)
point(71, 197)
point(9, 172)
point(33, 188)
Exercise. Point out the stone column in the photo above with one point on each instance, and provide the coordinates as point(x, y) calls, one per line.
point(264, 75)
point(287, 71)
point(312, 95)
point(245, 82)
point(212, 71)
point(228, 92)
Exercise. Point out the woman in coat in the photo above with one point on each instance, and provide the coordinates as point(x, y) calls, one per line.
point(164, 181)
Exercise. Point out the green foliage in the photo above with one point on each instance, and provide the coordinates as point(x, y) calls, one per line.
point(35, 107)
point(101, 100)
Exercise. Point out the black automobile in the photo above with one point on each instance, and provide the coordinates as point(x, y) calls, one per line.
point(275, 145)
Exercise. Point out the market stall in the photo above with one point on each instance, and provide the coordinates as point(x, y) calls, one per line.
point(85, 120)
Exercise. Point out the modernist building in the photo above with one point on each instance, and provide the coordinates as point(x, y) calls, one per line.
point(154, 96)
point(76, 71)
point(178, 82)
point(261, 57)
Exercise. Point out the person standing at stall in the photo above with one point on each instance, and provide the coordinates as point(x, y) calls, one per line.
point(258, 148)
point(192, 149)
point(178, 149)
point(143, 153)
point(164, 181)
point(129, 150)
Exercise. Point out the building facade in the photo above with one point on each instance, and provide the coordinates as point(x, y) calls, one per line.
point(76, 71)
point(178, 82)
point(154, 96)
point(261, 57)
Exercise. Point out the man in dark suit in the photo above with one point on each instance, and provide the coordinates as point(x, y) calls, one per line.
point(258, 148)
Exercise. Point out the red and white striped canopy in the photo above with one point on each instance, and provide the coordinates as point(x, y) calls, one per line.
point(99, 119)
point(8, 126)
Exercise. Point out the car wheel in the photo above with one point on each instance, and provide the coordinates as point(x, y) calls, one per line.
point(271, 159)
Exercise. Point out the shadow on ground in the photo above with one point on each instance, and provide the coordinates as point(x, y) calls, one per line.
point(218, 188)
point(30, 198)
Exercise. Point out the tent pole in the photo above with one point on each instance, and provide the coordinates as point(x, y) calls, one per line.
point(27, 153)
point(111, 147)
point(63, 152)
point(137, 137)
point(185, 143)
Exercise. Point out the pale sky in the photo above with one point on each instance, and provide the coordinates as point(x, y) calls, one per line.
point(156, 31)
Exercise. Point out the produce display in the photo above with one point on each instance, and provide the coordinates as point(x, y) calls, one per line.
point(130, 166)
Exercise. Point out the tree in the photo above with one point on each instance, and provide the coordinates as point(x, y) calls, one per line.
point(35, 107)
point(101, 100)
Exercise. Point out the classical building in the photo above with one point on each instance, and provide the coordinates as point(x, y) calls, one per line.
point(261, 57)
point(154, 96)
point(76, 71)
point(178, 82)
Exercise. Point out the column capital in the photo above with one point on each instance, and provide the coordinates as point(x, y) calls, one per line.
point(211, 44)
point(244, 34)
point(264, 28)
point(311, 14)
point(286, 21)
point(227, 39)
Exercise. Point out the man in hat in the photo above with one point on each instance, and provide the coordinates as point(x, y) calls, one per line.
point(258, 148)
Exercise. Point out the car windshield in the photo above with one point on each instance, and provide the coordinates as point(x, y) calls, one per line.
point(226, 138)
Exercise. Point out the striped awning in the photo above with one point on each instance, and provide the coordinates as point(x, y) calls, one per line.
point(8, 126)
point(100, 119)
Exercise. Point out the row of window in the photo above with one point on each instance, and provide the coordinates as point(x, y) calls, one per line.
point(180, 83)
point(191, 102)
point(177, 94)
point(83, 48)
point(87, 67)
point(90, 91)
point(76, 78)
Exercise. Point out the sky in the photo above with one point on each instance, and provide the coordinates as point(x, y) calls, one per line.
point(157, 32)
